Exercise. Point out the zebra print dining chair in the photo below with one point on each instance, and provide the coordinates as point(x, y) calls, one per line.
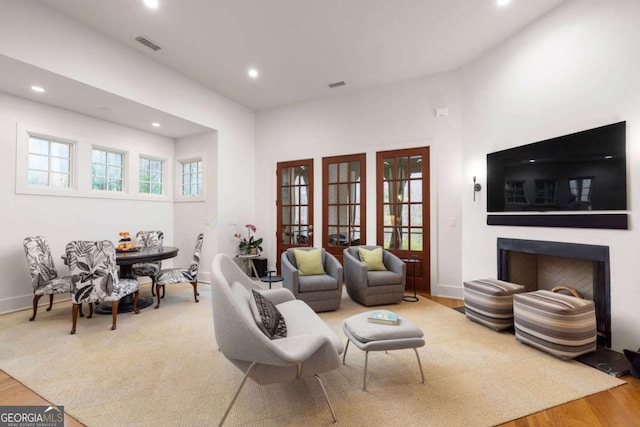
point(181, 275)
point(44, 277)
point(153, 239)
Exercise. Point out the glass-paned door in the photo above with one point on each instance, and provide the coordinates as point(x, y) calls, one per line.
point(295, 205)
point(343, 201)
point(403, 210)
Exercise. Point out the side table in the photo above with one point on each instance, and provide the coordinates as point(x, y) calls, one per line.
point(269, 278)
point(415, 262)
point(248, 263)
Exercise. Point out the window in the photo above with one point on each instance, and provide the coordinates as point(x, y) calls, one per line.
point(151, 175)
point(191, 178)
point(107, 170)
point(49, 162)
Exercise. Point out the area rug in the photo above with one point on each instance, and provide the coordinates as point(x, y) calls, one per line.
point(162, 368)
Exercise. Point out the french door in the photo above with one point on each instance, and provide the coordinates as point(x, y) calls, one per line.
point(295, 205)
point(403, 210)
point(343, 199)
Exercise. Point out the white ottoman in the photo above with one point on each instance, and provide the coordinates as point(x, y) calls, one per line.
point(369, 336)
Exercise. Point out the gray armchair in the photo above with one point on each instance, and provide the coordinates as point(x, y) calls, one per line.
point(374, 287)
point(309, 348)
point(322, 292)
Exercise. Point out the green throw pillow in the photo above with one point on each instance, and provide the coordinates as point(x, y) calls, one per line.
point(372, 258)
point(309, 262)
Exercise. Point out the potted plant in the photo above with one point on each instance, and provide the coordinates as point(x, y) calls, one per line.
point(249, 244)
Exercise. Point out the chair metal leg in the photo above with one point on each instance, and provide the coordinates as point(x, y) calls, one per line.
point(326, 397)
point(246, 376)
point(346, 347)
point(419, 364)
point(364, 379)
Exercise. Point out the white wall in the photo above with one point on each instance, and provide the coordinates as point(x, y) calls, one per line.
point(576, 69)
point(36, 34)
point(62, 219)
point(390, 117)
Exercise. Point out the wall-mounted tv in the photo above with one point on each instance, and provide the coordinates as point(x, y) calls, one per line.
point(573, 175)
point(583, 171)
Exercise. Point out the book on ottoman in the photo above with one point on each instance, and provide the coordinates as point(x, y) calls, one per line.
point(384, 317)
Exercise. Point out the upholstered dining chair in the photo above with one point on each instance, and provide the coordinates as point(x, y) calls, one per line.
point(94, 278)
point(181, 275)
point(373, 275)
point(152, 239)
point(314, 276)
point(44, 277)
point(306, 347)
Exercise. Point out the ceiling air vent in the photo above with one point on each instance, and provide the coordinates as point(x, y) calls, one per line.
point(336, 84)
point(148, 43)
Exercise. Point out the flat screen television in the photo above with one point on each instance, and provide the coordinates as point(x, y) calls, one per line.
point(583, 171)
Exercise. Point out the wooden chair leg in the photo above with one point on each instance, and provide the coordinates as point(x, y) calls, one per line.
point(114, 314)
point(195, 290)
point(153, 286)
point(90, 311)
point(74, 318)
point(163, 292)
point(158, 286)
point(50, 302)
point(81, 313)
point(135, 302)
point(36, 298)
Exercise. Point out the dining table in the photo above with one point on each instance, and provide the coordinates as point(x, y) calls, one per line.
point(125, 259)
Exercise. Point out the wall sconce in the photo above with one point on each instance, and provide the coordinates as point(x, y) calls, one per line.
point(476, 188)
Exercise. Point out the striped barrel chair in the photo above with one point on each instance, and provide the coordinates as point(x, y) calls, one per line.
point(44, 277)
point(181, 275)
point(94, 278)
point(153, 239)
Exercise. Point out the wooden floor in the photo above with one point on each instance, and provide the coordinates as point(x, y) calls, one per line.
point(619, 407)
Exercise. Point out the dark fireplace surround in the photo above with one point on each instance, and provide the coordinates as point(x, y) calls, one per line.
point(591, 262)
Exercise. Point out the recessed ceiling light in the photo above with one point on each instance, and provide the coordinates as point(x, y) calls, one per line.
point(503, 2)
point(253, 73)
point(155, 124)
point(532, 160)
point(608, 157)
point(151, 4)
point(37, 89)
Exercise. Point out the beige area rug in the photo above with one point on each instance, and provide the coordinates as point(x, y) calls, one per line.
point(162, 368)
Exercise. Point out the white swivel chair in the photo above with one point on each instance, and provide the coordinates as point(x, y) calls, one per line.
point(309, 348)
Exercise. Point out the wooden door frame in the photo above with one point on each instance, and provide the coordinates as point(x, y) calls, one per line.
point(423, 278)
point(280, 246)
point(362, 158)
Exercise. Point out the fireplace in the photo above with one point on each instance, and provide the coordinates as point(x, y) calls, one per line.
point(540, 264)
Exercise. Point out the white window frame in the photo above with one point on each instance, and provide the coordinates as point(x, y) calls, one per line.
point(178, 196)
point(125, 169)
point(23, 134)
point(163, 178)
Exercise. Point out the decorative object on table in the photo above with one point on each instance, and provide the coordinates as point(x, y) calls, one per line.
point(94, 278)
point(44, 277)
point(314, 276)
point(373, 287)
point(124, 243)
point(149, 239)
point(249, 244)
point(310, 347)
point(181, 275)
point(384, 317)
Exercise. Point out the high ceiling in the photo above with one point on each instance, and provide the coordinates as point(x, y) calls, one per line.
point(300, 46)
